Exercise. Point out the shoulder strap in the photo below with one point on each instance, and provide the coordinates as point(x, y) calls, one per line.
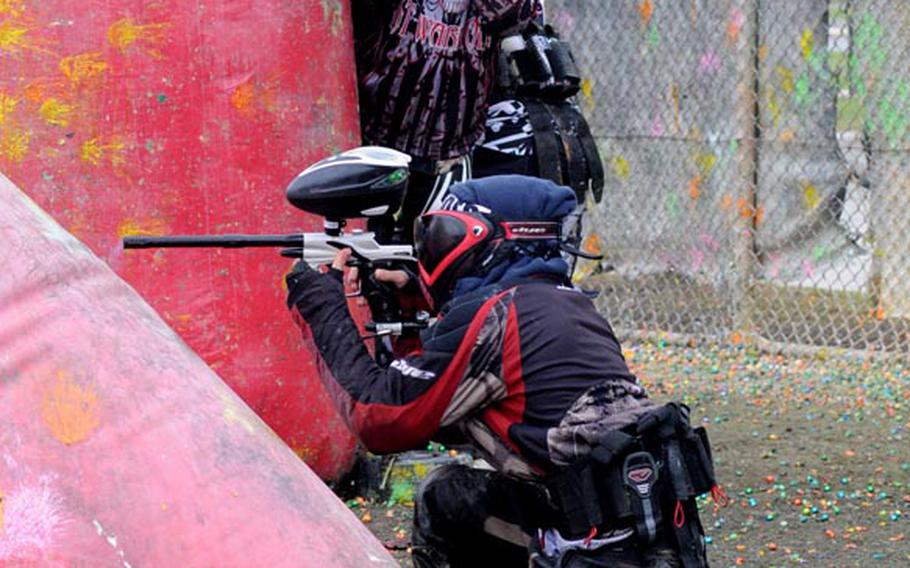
point(575, 173)
point(592, 158)
point(546, 141)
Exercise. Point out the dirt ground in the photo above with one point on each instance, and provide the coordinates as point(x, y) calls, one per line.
point(812, 453)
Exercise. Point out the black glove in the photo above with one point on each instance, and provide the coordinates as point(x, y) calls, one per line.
point(305, 284)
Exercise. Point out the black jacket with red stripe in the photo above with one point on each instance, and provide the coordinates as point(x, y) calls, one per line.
point(531, 374)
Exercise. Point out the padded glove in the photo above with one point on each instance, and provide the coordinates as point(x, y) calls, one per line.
point(306, 286)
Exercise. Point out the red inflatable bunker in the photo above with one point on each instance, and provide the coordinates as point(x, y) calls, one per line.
point(121, 117)
point(120, 447)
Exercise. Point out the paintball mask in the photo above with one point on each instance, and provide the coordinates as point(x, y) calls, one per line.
point(452, 244)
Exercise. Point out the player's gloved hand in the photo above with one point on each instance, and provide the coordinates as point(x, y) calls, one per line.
point(351, 277)
point(307, 285)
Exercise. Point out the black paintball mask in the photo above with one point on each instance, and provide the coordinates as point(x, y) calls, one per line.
point(453, 244)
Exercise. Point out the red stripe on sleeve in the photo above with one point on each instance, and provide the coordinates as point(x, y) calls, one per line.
point(510, 410)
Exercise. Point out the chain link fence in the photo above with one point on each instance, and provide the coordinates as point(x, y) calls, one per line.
point(758, 167)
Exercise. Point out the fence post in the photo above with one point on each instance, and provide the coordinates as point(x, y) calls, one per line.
point(747, 207)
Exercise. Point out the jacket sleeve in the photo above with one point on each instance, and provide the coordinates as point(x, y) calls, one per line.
point(400, 407)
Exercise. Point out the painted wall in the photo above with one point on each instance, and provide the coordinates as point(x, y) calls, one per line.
point(167, 117)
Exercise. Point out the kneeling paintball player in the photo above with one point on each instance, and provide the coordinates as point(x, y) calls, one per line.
point(588, 470)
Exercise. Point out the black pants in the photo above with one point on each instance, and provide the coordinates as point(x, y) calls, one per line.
point(467, 517)
point(473, 518)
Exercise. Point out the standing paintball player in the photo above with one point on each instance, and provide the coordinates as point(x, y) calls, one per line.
point(425, 72)
point(588, 471)
point(534, 125)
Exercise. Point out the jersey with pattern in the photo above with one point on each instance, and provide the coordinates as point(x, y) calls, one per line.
point(425, 70)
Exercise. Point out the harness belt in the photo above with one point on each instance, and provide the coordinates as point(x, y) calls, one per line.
point(639, 476)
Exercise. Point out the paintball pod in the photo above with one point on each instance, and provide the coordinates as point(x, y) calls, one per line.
point(364, 182)
point(538, 63)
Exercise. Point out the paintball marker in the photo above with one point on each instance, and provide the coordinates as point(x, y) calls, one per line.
point(364, 182)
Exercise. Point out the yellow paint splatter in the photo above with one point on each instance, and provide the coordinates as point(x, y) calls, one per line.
point(645, 11)
point(12, 37)
point(810, 196)
point(785, 74)
point(124, 34)
point(7, 106)
point(695, 188)
point(787, 135)
point(12, 7)
point(587, 91)
point(806, 43)
point(70, 410)
point(83, 66)
point(621, 168)
point(93, 151)
point(151, 226)
point(242, 96)
point(773, 105)
point(14, 144)
point(705, 163)
point(56, 112)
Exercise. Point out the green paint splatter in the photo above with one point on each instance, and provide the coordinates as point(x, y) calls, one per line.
point(402, 493)
point(150, 146)
point(653, 35)
point(162, 98)
point(47, 176)
point(672, 205)
point(801, 93)
point(333, 10)
point(850, 114)
point(868, 42)
point(894, 122)
point(903, 90)
point(819, 252)
point(734, 146)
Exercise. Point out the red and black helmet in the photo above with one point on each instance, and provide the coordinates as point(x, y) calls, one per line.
point(453, 244)
point(449, 245)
